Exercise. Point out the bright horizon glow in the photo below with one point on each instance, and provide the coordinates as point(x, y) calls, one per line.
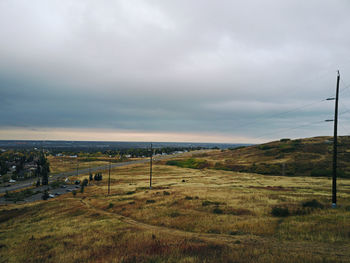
point(66, 134)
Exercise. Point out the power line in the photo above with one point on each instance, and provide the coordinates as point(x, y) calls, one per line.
point(346, 85)
point(261, 117)
point(293, 128)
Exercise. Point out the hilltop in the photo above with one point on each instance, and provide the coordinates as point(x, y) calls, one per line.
point(300, 157)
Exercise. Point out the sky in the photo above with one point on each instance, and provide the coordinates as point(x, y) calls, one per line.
point(185, 70)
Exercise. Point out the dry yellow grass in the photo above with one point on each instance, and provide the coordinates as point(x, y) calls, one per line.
point(211, 216)
point(66, 164)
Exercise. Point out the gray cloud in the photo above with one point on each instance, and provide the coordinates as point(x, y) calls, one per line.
point(173, 66)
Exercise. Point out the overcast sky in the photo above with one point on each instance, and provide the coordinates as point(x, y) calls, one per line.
point(157, 70)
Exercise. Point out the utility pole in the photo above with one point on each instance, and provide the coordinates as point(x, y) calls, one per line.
point(77, 166)
point(109, 177)
point(335, 146)
point(150, 169)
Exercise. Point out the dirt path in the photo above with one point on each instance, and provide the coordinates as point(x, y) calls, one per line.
point(338, 252)
point(221, 238)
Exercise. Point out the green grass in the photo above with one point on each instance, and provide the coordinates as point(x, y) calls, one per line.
point(189, 163)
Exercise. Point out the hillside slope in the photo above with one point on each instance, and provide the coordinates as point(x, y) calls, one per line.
point(301, 157)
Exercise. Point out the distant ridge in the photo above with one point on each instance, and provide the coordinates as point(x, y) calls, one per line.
point(49, 144)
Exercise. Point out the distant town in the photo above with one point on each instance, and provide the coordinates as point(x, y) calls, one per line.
point(21, 160)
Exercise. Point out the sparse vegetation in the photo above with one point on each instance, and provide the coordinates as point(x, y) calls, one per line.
point(280, 211)
point(216, 216)
point(19, 196)
point(301, 157)
point(189, 163)
point(45, 195)
point(313, 204)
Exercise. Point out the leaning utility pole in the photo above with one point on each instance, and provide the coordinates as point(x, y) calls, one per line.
point(335, 145)
point(109, 177)
point(150, 169)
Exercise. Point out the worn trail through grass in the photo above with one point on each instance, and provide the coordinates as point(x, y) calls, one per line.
point(343, 252)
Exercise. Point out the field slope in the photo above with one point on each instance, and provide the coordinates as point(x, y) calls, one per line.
point(190, 215)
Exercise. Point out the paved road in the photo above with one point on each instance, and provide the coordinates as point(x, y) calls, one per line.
point(30, 182)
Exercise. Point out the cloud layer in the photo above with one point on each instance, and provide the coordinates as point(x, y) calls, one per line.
point(226, 68)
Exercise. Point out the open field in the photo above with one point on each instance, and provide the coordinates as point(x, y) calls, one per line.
point(190, 215)
point(66, 164)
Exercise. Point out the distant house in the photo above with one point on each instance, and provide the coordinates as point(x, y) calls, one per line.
point(128, 155)
point(12, 169)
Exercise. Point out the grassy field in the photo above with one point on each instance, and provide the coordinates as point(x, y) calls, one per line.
point(302, 157)
point(66, 164)
point(190, 215)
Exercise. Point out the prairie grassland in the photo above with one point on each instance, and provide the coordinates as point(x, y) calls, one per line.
point(189, 215)
point(66, 164)
point(301, 157)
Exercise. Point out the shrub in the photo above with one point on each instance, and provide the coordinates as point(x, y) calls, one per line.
point(214, 231)
point(313, 204)
point(74, 193)
point(321, 172)
point(130, 192)
point(280, 211)
point(217, 210)
point(188, 197)
point(150, 201)
point(264, 147)
point(98, 177)
point(175, 214)
point(326, 172)
point(206, 203)
point(189, 163)
point(110, 205)
point(284, 140)
point(166, 193)
point(55, 184)
point(45, 195)
point(85, 182)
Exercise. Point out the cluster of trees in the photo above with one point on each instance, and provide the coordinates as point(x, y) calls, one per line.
point(96, 177)
point(43, 170)
point(121, 153)
point(83, 184)
point(16, 158)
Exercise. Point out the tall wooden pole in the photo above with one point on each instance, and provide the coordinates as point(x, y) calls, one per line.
point(77, 166)
point(150, 169)
point(335, 145)
point(109, 177)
